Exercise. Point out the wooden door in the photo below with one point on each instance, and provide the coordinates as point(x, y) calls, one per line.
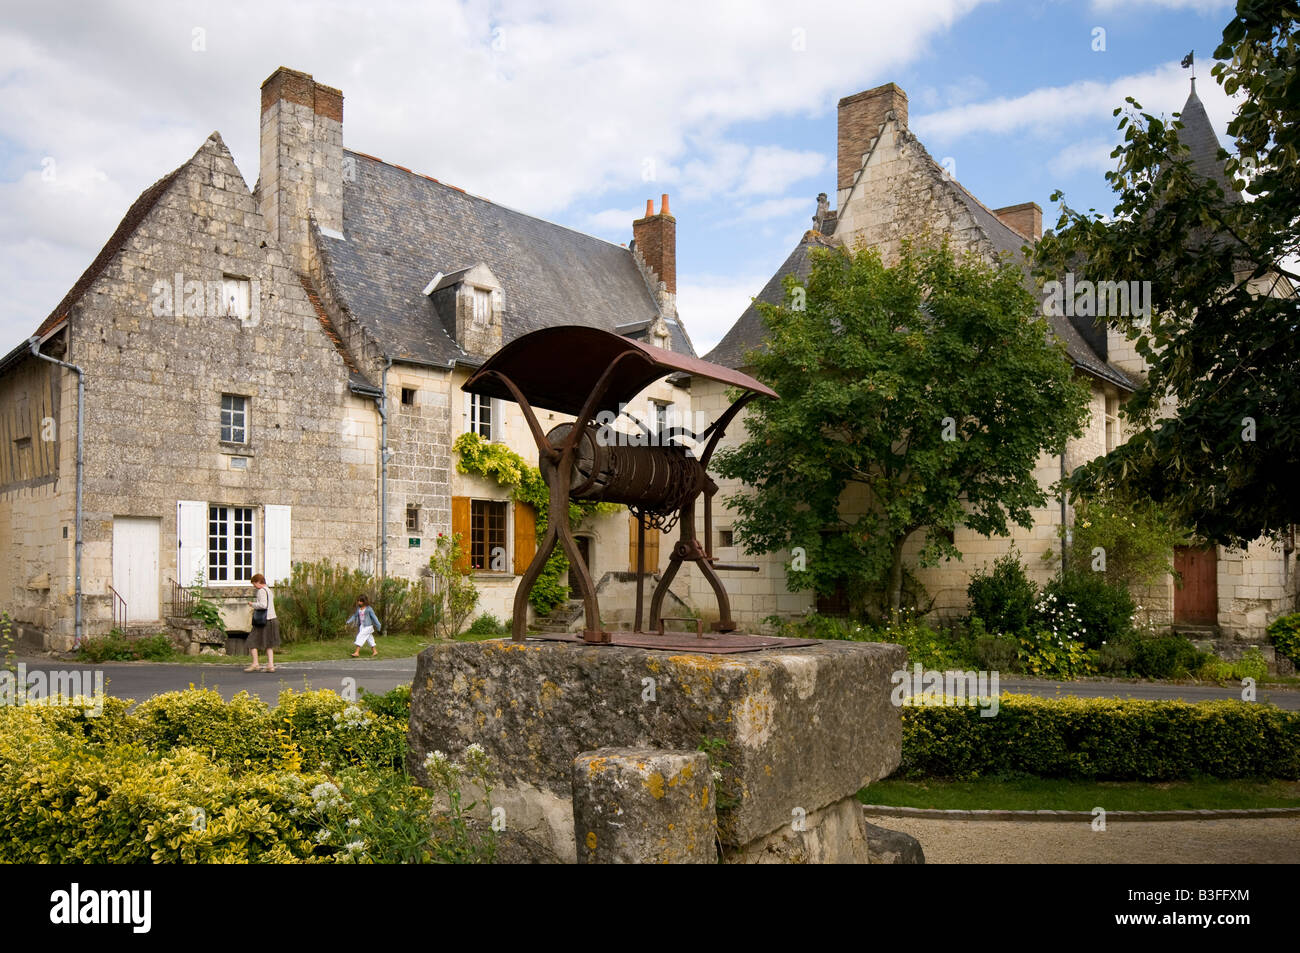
point(135, 566)
point(1196, 600)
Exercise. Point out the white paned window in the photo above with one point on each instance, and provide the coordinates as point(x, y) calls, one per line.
point(230, 544)
point(234, 418)
point(480, 415)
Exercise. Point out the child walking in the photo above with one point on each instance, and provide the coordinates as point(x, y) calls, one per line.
point(367, 625)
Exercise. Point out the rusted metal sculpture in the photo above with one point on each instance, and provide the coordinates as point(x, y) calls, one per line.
point(584, 372)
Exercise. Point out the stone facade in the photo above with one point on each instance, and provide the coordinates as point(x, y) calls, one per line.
point(159, 355)
point(210, 300)
point(889, 189)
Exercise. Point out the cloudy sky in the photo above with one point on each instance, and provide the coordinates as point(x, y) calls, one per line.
point(578, 111)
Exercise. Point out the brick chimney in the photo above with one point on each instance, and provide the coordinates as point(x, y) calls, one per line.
point(1025, 219)
point(655, 240)
point(860, 118)
point(301, 160)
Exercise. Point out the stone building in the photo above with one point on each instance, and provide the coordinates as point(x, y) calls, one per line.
point(889, 188)
point(272, 375)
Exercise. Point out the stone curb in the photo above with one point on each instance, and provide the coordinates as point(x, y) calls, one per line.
point(935, 814)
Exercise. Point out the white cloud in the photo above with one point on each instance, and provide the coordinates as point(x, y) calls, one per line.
point(1199, 6)
point(1067, 108)
point(774, 169)
point(769, 209)
point(1090, 156)
point(533, 105)
point(710, 304)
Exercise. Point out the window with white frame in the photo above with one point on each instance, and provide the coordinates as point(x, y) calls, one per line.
point(480, 415)
point(230, 544)
point(482, 307)
point(1112, 422)
point(234, 418)
point(661, 421)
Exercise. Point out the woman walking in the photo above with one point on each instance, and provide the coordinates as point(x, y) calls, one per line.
point(266, 628)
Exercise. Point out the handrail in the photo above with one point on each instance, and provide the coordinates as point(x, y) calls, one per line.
point(119, 619)
point(182, 599)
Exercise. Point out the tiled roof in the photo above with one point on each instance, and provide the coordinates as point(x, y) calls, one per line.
point(400, 229)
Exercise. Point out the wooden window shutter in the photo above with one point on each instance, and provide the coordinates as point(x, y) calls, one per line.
point(651, 547)
point(525, 536)
point(460, 525)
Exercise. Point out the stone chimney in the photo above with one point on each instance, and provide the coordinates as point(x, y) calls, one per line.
point(1025, 219)
point(302, 160)
point(655, 241)
point(860, 118)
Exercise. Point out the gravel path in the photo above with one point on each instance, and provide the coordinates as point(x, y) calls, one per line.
point(1273, 841)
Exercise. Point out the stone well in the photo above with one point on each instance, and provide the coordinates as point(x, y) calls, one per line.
point(794, 733)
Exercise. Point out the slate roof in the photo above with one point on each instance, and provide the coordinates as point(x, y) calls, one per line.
point(401, 228)
point(1200, 138)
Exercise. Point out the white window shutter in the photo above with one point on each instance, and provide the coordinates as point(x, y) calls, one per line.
point(498, 421)
point(469, 413)
point(191, 541)
point(276, 546)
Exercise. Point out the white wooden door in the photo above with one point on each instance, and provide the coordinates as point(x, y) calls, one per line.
point(135, 566)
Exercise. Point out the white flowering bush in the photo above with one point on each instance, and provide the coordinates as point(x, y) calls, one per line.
point(459, 840)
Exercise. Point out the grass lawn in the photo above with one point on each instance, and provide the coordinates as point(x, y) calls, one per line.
point(1041, 794)
point(389, 646)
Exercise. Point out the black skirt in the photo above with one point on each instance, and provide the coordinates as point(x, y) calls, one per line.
point(265, 636)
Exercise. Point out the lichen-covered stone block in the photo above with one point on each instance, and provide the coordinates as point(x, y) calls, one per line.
point(643, 806)
point(785, 728)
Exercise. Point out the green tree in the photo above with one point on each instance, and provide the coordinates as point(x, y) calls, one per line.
point(914, 398)
point(1221, 339)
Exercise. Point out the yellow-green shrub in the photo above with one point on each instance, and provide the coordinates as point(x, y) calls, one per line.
point(64, 800)
point(232, 731)
point(326, 729)
point(1102, 739)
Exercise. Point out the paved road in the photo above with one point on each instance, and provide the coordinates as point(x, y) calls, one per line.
point(1255, 841)
point(140, 680)
point(1288, 698)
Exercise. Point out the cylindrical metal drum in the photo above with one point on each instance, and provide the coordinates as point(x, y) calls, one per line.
point(651, 478)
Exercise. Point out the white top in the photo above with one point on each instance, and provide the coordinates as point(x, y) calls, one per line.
point(263, 600)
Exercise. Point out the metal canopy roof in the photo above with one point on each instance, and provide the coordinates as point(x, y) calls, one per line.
point(556, 368)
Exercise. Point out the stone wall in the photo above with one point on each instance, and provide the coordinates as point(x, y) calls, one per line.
point(157, 370)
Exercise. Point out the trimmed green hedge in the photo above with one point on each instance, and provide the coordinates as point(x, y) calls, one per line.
point(1102, 739)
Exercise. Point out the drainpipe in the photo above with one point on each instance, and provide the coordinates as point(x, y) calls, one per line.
point(382, 404)
point(1065, 529)
point(79, 626)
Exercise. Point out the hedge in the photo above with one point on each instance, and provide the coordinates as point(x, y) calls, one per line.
point(1101, 739)
point(190, 778)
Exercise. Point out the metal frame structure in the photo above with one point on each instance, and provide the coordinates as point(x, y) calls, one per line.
point(582, 372)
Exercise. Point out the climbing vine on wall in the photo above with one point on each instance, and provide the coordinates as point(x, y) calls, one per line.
point(509, 469)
